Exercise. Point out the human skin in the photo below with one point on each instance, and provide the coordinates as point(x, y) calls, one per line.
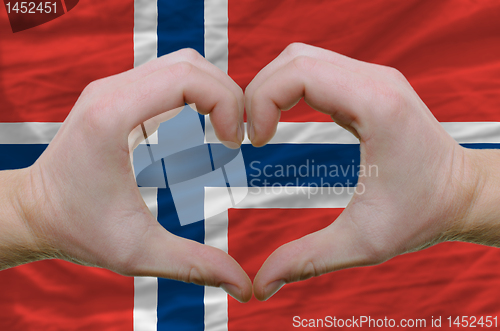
point(428, 190)
point(80, 201)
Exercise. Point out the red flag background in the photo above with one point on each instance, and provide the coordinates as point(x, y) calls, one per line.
point(449, 51)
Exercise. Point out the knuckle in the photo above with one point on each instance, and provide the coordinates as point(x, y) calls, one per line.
point(390, 100)
point(98, 112)
point(394, 74)
point(92, 88)
point(295, 49)
point(304, 63)
point(181, 69)
point(310, 270)
point(195, 276)
point(397, 75)
point(191, 275)
point(189, 54)
point(391, 97)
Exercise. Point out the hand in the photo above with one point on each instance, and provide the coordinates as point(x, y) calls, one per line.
point(426, 181)
point(80, 199)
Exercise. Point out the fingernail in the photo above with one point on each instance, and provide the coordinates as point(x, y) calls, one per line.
point(232, 290)
point(231, 144)
point(272, 288)
point(241, 132)
point(251, 131)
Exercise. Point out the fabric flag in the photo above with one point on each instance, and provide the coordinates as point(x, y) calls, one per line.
point(448, 50)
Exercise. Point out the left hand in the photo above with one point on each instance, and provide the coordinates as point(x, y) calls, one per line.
point(425, 185)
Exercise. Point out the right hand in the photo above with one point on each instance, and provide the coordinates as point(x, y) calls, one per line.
point(80, 200)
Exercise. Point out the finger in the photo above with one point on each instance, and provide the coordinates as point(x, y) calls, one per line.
point(165, 90)
point(184, 55)
point(168, 256)
point(146, 129)
point(332, 248)
point(299, 49)
point(333, 90)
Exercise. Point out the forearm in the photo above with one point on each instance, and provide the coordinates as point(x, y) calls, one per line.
point(17, 240)
point(481, 224)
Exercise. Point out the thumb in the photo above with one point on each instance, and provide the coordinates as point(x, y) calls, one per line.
point(332, 248)
point(168, 256)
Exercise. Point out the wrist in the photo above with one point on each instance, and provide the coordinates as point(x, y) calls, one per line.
point(480, 221)
point(18, 242)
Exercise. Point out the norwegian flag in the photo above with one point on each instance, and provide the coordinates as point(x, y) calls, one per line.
point(448, 50)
